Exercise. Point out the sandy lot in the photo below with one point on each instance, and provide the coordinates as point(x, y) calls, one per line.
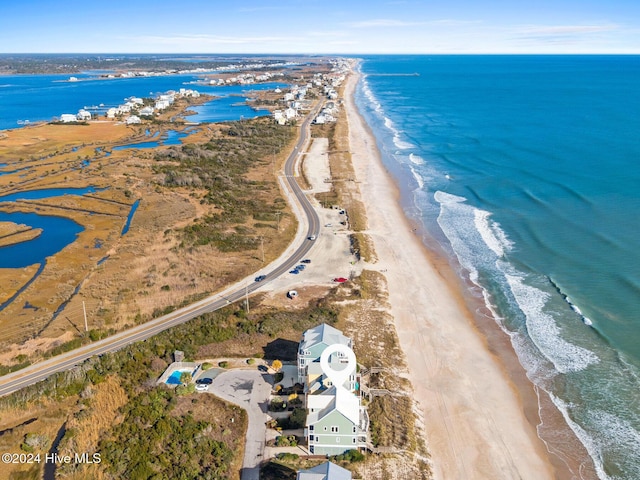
point(474, 420)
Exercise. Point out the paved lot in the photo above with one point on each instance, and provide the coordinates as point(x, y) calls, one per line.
point(249, 389)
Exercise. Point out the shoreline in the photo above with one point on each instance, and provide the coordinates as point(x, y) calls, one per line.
point(499, 413)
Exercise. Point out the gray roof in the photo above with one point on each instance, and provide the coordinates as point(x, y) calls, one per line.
point(323, 333)
point(325, 471)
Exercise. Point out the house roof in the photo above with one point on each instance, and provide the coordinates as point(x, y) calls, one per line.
point(325, 471)
point(323, 333)
point(342, 401)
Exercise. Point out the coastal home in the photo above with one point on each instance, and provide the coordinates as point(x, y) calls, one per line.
point(336, 422)
point(146, 111)
point(324, 471)
point(314, 341)
point(133, 119)
point(83, 115)
point(112, 112)
point(68, 117)
point(290, 113)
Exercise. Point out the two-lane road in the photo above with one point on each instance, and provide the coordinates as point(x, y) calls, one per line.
point(39, 371)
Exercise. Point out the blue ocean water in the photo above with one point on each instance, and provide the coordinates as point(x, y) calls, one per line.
point(525, 171)
point(42, 97)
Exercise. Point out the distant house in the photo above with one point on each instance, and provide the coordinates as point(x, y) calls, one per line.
point(146, 111)
point(68, 117)
point(112, 112)
point(133, 119)
point(324, 471)
point(290, 113)
point(83, 115)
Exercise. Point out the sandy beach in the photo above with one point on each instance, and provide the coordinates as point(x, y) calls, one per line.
point(475, 421)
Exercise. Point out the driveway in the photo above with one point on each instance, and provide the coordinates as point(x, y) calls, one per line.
point(249, 389)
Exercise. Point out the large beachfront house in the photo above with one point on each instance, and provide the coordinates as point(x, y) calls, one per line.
point(336, 422)
point(314, 342)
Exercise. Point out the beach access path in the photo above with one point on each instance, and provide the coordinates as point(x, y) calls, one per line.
point(475, 425)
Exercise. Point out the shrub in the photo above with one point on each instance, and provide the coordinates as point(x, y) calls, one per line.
point(223, 364)
point(250, 361)
point(206, 366)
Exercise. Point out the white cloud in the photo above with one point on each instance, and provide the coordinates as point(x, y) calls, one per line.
point(554, 30)
point(205, 39)
point(388, 22)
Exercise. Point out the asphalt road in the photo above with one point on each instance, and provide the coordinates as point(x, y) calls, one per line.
point(39, 371)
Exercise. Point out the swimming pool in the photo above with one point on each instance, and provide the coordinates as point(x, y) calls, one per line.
point(174, 378)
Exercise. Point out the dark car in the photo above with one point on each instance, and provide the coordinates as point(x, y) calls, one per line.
point(204, 381)
point(295, 271)
point(306, 260)
point(260, 278)
point(300, 267)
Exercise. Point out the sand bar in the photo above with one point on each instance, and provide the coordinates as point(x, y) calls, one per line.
point(475, 423)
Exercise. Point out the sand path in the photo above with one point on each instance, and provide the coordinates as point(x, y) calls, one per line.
point(474, 421)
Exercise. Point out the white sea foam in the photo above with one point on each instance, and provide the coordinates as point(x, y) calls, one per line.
point(543, 330)
point(484, 227)
point(418, 178)
point(480, 244)
point(610, 435)
point(416, 159)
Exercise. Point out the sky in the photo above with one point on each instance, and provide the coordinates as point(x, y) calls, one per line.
point(320, 26)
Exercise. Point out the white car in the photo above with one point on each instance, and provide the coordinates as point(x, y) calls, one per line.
point(200, 387)
point(312, 237)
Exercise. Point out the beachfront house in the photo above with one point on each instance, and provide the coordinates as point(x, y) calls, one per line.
point(336, 422)
point(83, 115)
point(314, 341)
point(324, 471)
point(132, 120)
point(68, 117)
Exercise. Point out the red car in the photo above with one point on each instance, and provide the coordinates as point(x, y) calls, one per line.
point(340, 279)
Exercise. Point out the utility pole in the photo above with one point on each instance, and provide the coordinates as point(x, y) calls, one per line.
point(246, 295)
point(84, 309)
point(277, 214)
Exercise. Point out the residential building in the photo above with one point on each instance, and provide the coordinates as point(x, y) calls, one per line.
point(313, 343)
point(324, 471)
point(68, 117)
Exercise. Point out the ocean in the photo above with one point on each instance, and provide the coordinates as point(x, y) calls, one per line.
point(525, 172)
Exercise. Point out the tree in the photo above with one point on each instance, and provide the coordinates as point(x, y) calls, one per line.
point(185, 378)
point(276, 365)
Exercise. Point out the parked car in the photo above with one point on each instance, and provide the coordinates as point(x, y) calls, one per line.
point(294, 271)
point(300, 267)
point(260, 278)
point(340, 279)
point(204, 381)
point(202, 387)
point(306, 260)
point(327, 224)
point(312, 237)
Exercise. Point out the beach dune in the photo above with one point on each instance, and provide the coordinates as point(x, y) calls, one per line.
point(475, 423)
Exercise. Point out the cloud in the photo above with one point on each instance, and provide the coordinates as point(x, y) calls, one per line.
point(204, 39)
point(562, 33)
point(388, 22)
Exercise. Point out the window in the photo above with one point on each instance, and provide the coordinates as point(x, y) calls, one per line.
point(325, 429)
point(311, 428)
point(311, 438)
point(334, 430)
point(354, 439)
point(311, 448)
point(354, 429)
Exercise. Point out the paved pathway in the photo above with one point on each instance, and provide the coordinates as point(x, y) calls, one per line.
point(249, 389)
